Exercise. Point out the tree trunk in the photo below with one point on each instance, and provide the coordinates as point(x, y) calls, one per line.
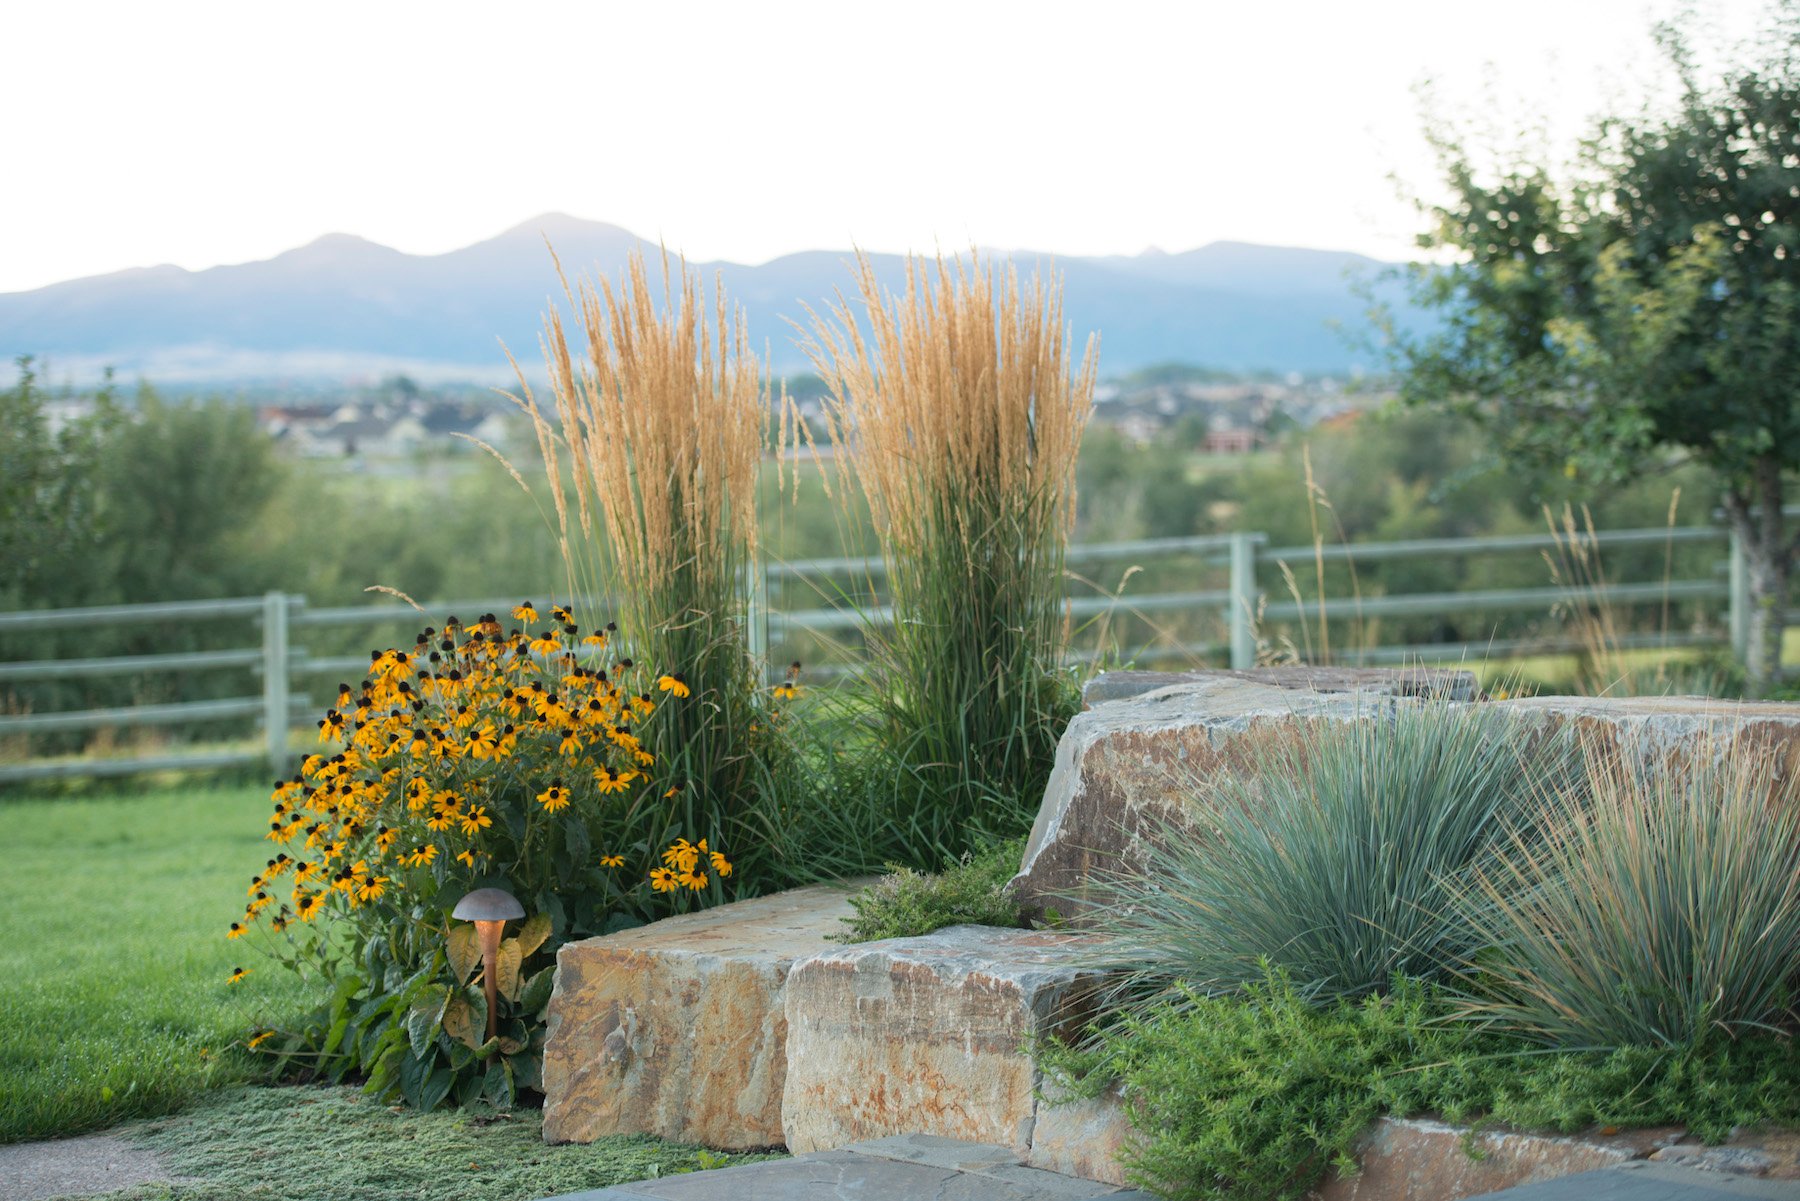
point(1755, 513)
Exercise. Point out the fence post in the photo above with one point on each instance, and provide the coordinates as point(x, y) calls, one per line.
point(275, 681)
point(1739, 616)
point(1243, 600)
point(759, 617)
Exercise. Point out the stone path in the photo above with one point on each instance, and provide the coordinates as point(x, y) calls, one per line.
point(99, 1163)
point(901, 1168)
point(1644, 1181)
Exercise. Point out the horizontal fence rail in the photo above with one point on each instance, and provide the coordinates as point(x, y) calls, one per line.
point(1258, 582)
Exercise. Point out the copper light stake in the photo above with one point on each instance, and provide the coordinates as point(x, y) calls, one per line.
point(490, 909)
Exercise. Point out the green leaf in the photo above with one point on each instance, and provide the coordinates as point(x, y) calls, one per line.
point(423, 1018)
point(532, 933)
point(435, 1089)
point(536, 993)
point(506, 969)
point(465, 952)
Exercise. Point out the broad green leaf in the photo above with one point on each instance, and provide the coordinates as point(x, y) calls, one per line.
point(506, 970)
point(536, 993)
point(532, 933)
point(465, 952)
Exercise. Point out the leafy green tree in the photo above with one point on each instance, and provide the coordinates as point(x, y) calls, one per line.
point(49, 484)
point(1645, 309)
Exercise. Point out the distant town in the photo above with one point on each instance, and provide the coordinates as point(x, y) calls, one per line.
point(399, 418)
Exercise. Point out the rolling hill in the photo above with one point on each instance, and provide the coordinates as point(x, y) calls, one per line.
point(343, 306)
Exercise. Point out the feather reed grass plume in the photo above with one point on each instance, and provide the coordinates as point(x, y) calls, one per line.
point(956, 409)
point(660, 415)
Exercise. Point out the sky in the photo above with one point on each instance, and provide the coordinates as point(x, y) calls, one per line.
point(199, 133)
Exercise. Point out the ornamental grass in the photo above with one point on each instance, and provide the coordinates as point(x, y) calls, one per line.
point(658, 431)
point(1336, 863)
point(1652, 905)
point(958, 416)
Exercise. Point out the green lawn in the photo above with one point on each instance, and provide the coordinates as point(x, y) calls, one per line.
point(113, 967)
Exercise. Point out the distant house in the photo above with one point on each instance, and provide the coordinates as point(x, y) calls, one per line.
point(1230, 441)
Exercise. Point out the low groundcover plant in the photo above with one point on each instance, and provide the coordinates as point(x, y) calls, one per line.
point(481, 756)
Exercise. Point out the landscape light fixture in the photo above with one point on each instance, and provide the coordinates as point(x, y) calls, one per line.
point(490, 909)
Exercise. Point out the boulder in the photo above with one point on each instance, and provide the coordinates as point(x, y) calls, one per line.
point(1434, 683)
point(928, 1035)
point(677, 1028)
point(1127, 770)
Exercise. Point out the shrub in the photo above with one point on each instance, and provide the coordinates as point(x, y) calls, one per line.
point(959, 417)
point(1336, 860)
point(661, 417)
point(1260, 1095)
point(478, 758)
point(1659, 906)
point(906, 903)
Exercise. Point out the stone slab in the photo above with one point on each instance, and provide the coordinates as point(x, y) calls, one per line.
point(677, 1028)
point(878, 1174)
point(1081, 1136)
point(1411, 1159)
point(1129, 770)
point(928, 1035)
point(1642, 1181)
point(99, 1163)
point(1433, 682)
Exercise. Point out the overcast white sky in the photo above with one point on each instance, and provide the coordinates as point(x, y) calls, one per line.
point(200, 133)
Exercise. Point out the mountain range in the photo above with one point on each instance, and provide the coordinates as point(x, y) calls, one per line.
point(343, 306)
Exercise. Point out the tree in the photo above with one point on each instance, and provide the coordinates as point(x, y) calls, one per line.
point(1644, 309)
point(49, 493)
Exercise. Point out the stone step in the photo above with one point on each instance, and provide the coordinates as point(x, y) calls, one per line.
point(677, 1028)
point(929, 1035)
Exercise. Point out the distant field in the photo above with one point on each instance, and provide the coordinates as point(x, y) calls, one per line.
point(113, 969)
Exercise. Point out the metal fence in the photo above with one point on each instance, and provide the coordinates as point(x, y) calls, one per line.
point(847, 591)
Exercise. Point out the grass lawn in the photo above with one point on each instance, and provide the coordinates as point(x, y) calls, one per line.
point(112, 975)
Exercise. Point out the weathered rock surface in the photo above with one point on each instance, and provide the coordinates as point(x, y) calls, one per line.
point(677, 1028)
point(927, 1035)
point(1415, 1160)
point(1435, 683)
point(1128, 769)
point(1081, 1136)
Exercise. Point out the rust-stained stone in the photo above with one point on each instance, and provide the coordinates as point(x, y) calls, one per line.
point(1128, 770)
point(1414, 1160)
point(1081, 1136)
point(676, 1028)
point(927, 1035)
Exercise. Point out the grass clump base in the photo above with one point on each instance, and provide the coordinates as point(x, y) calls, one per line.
point(331, 1144)
point(1262, 1095)
point(971, 892)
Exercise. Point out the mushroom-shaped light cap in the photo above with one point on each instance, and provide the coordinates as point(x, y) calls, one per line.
point(488, 905)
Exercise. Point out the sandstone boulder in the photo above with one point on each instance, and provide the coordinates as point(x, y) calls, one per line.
point(1435, 683)
point(677, 1028)
point(1127, 770)
point(928, 1035)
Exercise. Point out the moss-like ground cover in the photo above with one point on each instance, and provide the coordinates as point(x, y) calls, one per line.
point(333, 1144)
point(114, 966)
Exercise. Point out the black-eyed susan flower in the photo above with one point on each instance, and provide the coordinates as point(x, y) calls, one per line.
point(612, 861)
point(663, 879)
point(694, 881)
point(237, 975)
point(554, 799)
point(419, 856)
point(260, 1039)
point(475, 821)
point(672, 684)
point(236, 931)
point(308, 904)
point(525, 612)
point(721, 865)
